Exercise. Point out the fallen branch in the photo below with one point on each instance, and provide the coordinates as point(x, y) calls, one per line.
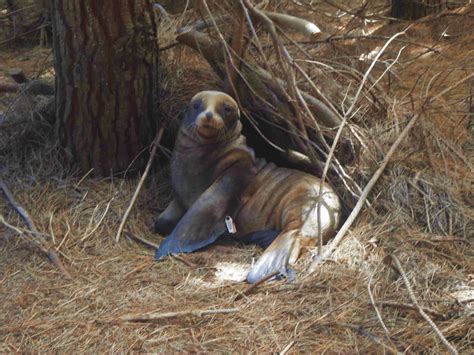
point(287, 348)
point(284, 21)
point(364, 332)
point(422, 313)
point(184, 261)
point(141, 240)
point(237, 46)
point(155, 144)
point(373, 304)
point(432, 312)
point(25, 216)
point(155, 317)
point(255, 285)
point(347, 116)
point(314, 166)
point(51, 254)
point(363, 197)
point(213, 55)
point(32, 237)
point(281, 52)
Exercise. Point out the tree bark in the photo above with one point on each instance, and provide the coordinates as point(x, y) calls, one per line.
point(106, 62)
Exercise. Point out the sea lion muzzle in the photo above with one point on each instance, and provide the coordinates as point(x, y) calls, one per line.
point(215, 176)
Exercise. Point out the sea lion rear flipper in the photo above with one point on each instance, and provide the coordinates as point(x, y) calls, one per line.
point(204, 222)
point(276, 258)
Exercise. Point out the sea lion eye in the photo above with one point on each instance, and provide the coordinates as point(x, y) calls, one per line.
point(196, 105)
point(227, 109)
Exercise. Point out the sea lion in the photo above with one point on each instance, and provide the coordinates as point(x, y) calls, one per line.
point(215, 175)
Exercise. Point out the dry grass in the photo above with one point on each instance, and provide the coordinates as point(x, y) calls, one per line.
point(422, 212)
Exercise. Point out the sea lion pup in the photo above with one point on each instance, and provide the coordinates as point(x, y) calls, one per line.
point(215, 174)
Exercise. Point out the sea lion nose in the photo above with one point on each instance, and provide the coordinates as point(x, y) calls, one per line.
point(209, 115)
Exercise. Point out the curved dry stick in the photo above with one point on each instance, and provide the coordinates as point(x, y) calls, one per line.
point(25, 216)
point(155, 316)
point(236, 53)
point(341, 127)
point(203, 44)
point(281, 52)
point(255, 285)
point(155, 144)
point(50, 253)
point(372, 302)
point(211, 53)
point(450, 346)
point(363, 197)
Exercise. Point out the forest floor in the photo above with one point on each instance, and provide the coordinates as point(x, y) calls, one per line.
point(422, 212)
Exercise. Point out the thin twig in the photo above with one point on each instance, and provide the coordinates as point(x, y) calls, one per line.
point(255, 285)
point(184, 260)
point(411, 307)
point(87, 234)
point(155, 317)
point(360, 203)
point(155, 144)
point(364, 332)
point(398, 265)
point(141, 240)
point(236, 52)
point(33, 237)
point(282, 52)
point(18, 209)
point(51, 254)
point(366, 75)
point(287, 348)
point(372, 302)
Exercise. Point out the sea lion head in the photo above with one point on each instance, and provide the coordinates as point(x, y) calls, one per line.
point(211, 117)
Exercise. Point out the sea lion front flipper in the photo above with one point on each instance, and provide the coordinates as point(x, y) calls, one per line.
point(194, 231)
point(263, 238)
point(168, 219)
point(204, 222)
point(276, 258)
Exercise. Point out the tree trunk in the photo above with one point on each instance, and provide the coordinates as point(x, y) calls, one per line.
point(415, 9)
point(106, 62)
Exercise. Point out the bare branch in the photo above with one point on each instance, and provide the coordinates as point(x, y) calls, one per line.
point(360, 203)
point(153, 317)
point(155, 144)
point(450, 347)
